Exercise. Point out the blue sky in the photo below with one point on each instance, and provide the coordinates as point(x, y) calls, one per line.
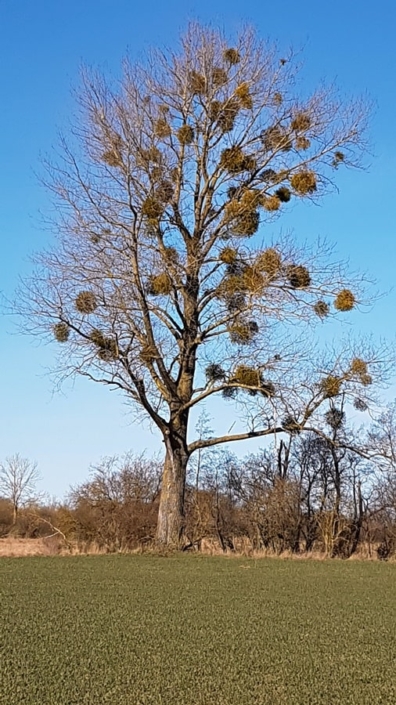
point(42, 46)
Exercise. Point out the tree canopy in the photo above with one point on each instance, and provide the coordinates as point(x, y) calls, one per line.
point(163, 282)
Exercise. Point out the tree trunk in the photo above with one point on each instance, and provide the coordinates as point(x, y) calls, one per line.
point(170, 524)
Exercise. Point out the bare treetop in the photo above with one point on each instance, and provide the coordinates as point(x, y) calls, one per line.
point(18, 480)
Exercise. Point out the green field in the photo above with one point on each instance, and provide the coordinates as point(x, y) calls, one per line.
point(196, 630)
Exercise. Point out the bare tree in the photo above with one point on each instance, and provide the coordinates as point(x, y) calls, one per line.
point(157, 286)
point(116, 506)
point(18, 480)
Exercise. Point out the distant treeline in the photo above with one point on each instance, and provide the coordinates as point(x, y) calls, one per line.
point(305, 493)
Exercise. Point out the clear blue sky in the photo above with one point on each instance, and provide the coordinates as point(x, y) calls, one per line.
point(42, 45)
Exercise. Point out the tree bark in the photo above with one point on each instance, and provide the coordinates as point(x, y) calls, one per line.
point(170, 526)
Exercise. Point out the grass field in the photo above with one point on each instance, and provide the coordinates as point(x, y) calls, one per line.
point(189, 630)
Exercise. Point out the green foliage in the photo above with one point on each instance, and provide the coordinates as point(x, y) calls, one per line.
point(144, 630)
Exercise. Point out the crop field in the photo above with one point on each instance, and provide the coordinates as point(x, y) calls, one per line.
point(144, 630)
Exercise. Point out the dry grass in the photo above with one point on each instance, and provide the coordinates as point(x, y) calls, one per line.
point(12, 547)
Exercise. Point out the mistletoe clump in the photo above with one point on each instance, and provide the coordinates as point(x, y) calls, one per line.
point(252, 280)
point(171, 255)
point(185, 134)
point(301, 122)
point(331, 386)
point(112, 156)
point(335, 418)
point(252, 377)
point(304, 182)
point(196, 83)
point(338, 158)
point(298, 276)
point(160, 284)
point(228, 255)
point(243, 332)
point(271, 203)
point(219, 77)
point(61, 332)
point(302, 142)
point(232, 56)
point(226, 114)
point(283, 193)
point(242, 217)
point(109, 350)
point(235, 161)
point(276, 138)
point(214, 372)
point(164, 191)
point(162, 128)
point(249, 376)
point(269, 261)
point(345, 300)
point(214, 109)
point(358, 366)
point(107, 347)
point(152, 208)
point(150, 155)
point(360, 404)
point(86, 302)
point(242, 92)
point(322, 309)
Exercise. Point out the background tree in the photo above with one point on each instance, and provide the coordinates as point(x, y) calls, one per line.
point(157, 285)
point(18, 480)
point(116, 507)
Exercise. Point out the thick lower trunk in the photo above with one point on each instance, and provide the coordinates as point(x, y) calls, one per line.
point(170, 524)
